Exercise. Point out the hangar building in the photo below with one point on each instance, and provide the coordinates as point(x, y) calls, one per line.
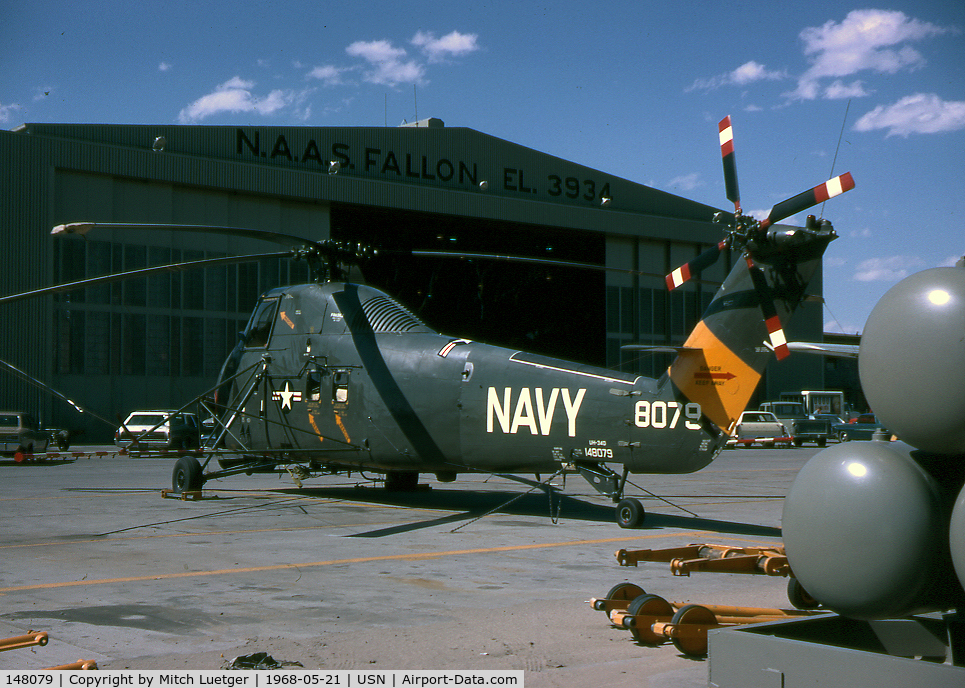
point(159, 341)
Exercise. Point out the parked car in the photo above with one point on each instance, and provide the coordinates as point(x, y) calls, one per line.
point(794, 417)
point(759, 426)
point(20, 433)
point(831, 420)
point(862, 428)
point(164, 429)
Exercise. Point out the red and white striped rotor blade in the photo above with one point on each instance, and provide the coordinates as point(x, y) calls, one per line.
point(775, 331)
point(730, 162)
point(694, 267)
point(803, 201)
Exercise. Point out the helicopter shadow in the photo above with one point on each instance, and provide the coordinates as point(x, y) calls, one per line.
point(555, 508)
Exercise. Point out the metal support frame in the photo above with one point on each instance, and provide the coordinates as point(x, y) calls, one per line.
point(40, 638)
point(769, 561)
point(603, 479)
point(833, 650)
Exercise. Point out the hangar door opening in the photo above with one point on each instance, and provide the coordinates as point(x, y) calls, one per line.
point(551, 310)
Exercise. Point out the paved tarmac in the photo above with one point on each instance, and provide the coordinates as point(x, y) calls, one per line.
point(342, 575)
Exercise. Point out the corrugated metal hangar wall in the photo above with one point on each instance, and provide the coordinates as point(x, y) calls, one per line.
point(159, 341)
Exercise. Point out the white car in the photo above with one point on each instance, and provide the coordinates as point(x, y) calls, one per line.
point(759, 427)
point(164, 429)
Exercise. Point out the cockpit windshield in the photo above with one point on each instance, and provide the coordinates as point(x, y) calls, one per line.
point(258, 333)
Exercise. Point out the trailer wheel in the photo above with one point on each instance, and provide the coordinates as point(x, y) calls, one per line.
point(625, 591)
point(693, 643)
point(187, 475)
point(649, 606)
point(799, 597)
point(630, 513)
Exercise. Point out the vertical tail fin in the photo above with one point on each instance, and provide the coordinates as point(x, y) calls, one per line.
point(726, 353)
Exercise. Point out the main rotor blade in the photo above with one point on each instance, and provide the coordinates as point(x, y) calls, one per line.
point(82, 228)
point(775, 331)
point(37, 383)
point(803, 201)
point(526, 259)
point(685, 272)
point(730, 162)
point(143, 272)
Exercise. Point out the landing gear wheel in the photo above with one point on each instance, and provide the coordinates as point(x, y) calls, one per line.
point(799, 597)
point(693, 641)
point(649, 609)
point(630, 513)
point(187, 475)
point(401, 481)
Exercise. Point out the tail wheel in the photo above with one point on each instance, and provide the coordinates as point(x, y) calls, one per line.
point(187, 475)
point(630, 513)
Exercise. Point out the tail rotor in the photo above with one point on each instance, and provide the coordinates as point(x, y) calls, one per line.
point(753, 237)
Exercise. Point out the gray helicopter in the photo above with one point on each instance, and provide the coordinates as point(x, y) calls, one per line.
point(337, 376)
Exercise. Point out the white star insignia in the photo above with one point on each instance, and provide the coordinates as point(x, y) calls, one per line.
point(287, 396)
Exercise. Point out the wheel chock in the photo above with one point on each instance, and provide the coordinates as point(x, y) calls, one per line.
point(184, 495)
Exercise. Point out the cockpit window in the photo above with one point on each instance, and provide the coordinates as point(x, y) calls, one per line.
point(259, 327)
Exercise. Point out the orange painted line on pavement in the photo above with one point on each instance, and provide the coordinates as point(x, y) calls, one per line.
point(333, 562)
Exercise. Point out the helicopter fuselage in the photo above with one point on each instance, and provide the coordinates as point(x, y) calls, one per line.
point(344, 375)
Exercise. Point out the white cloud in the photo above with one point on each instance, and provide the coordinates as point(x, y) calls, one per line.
point(875, 40)
point(7, 111)
point(376, 51)
point(889, 269)
point(452, 44)
point(327, 74)
point(759, 214)
point(686, 182)
point(388, 66)
point(747, 73)
point(840, 90)
point(860, 233)
point(922, 113)
point(164, 67)
point(951, 261)
point(235, 96)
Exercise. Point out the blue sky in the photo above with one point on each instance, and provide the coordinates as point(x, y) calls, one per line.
point(634, 89)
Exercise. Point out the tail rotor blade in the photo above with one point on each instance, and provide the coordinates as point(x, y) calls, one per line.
point(730, 162)
point(694, 267)
point(775, 331)
point(803, 201)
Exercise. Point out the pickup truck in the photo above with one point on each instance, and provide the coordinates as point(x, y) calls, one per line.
point(19, 433)
point(803, 429)
point(760, 427)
